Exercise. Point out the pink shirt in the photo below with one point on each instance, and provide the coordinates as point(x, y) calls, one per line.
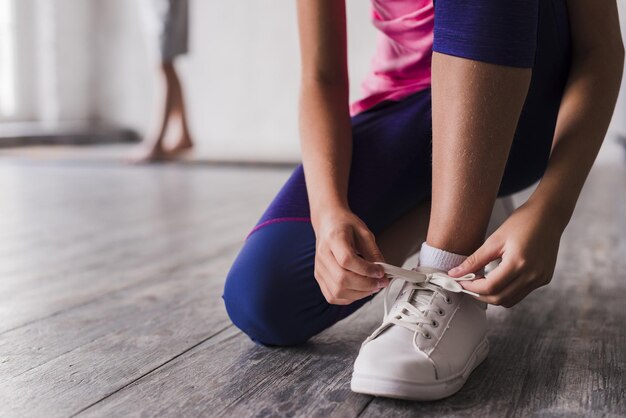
point(401, 64)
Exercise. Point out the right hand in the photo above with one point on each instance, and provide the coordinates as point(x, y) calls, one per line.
point(344, 259)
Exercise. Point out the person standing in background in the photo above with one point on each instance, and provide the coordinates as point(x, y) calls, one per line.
point(167, 28)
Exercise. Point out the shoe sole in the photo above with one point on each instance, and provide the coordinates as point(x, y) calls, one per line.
point(402, 389)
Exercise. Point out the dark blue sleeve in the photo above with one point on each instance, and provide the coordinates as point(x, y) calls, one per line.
point(501, 32)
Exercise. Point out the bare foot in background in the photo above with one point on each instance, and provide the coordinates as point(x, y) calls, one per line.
point(148, 153)
point(181, 147)
point(171, 108)
point(183, 142)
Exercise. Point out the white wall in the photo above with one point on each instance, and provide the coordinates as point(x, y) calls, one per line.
point(54, 57)
point(240, 78)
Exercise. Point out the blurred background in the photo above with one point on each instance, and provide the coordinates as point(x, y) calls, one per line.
point(80, 71)
point(66, 64)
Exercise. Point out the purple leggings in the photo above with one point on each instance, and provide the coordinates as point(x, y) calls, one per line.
point(271, 293)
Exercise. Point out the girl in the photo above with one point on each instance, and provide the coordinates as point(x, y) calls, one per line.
point(467, 100)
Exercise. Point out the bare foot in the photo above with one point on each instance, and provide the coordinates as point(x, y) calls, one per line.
point(183, 144)
point(147, 154)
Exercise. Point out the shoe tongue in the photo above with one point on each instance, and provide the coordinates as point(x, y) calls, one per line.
point(421, 297)
point(415, 297)
point(424, 296)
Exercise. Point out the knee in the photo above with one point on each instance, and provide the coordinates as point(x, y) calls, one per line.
point(255, 302)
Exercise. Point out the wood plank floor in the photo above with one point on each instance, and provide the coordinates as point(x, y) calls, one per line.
point(110, 284)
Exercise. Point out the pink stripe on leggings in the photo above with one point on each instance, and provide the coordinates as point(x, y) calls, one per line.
point(276, 220)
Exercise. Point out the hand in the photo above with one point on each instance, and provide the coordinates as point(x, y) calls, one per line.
point(344, 258)
point(528, 244)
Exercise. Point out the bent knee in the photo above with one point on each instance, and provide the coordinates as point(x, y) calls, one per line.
point(260, 312)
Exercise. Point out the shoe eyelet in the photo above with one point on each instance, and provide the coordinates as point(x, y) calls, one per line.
point(434, 323)
point(441, 312)
point(426, 335)
point(448, 301)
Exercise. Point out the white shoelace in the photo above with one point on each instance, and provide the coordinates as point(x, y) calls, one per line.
point(412, 314)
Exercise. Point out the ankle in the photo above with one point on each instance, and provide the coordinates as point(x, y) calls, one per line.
point(438, 258)
point(463, 240)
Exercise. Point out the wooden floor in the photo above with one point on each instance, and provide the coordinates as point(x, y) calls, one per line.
point(110, 284)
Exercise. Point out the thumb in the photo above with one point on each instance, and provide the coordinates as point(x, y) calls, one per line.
point(366, 245)
point(476, 261)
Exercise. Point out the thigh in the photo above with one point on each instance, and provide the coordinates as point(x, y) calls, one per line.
point(391, 166)
point(271, 293)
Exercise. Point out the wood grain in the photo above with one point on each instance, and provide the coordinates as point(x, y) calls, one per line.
point(110, 306)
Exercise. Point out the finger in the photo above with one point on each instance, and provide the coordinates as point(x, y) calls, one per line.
point(344, 252)
point(349, 280)
point(341, 293)
point(365, 243)
point(516, 290)
point(328, 295)
point(337, 288)
point(495, 281)
point(488, 252)
point(352, 295)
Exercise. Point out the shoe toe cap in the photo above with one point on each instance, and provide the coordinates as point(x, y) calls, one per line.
point(393, 356)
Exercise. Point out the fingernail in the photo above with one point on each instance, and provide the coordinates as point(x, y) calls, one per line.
point(382, 283)
point(455, 270)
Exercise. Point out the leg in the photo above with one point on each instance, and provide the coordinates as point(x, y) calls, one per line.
point(433, 338)
point(480, 159)
point(182, 139)
point(151, 148)
point(270, 291)
point(470, 147)
point(389, 178)
point(168, 27)
point(480, 77)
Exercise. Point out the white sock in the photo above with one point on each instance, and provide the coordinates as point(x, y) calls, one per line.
point(439, 259)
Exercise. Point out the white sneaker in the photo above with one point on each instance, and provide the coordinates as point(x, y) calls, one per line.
point(430, 341)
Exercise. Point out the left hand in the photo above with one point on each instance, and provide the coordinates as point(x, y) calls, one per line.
point(528, 244)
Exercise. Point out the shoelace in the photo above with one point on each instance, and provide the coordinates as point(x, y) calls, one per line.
point(408, 314)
